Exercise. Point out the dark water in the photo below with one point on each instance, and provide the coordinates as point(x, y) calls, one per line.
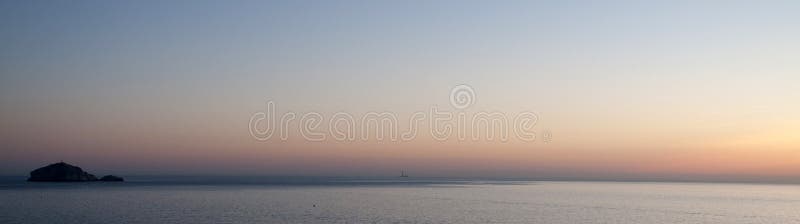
point(392, 200)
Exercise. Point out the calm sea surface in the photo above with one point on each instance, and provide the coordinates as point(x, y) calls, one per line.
point(395, 201)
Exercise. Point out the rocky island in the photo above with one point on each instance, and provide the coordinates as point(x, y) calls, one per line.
point(111, 178)
point(63, 172)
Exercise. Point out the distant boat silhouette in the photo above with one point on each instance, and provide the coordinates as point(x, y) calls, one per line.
point(403, 174)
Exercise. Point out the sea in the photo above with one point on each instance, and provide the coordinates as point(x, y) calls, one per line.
point(198, 200)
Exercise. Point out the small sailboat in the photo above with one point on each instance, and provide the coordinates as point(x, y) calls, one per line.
point(403, 174)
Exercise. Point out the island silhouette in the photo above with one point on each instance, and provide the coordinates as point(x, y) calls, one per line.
point(64, 172)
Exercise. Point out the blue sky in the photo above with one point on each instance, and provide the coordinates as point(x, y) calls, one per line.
point(136, 80)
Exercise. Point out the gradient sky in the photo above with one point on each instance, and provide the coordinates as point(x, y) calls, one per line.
point(629, 89)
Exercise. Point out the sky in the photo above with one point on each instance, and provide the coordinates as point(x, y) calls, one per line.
point(623, 89)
